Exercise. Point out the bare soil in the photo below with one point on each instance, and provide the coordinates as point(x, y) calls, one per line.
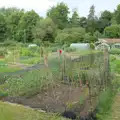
point(55, 99)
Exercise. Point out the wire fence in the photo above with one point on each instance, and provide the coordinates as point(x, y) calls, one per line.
point(63, 79)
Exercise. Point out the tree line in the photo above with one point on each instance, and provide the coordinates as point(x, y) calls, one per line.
point(28, 27)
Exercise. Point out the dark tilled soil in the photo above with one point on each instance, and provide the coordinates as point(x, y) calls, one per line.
point(52, 100)
point(55, 100)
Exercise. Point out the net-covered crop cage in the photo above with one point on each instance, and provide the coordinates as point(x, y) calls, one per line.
point(74, 71)
point(91, 69)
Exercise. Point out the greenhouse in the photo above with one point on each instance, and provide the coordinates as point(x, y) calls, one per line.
point(80, 46)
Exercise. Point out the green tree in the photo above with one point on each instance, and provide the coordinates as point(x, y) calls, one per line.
point(59, 15)
point(91, 22)
point(83, 22)
point(104, 20)
point(45, 30)
point(112, 31)
point(70, 35)
point(3, 28)
point(117, 14)
point(26, 24)
point(97, 34)
point(9, 11)
point(12, 24)
point(89, 38)
point(75, 20)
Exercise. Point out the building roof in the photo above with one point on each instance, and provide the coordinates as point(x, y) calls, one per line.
point(109, 40)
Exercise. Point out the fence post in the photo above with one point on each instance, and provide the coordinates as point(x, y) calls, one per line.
point(106, 67)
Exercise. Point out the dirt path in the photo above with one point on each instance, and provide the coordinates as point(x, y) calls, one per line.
point(115, 113)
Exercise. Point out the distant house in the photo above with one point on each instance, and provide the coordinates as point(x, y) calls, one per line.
point(102, 46)
point(80, 46)
point(112, 42)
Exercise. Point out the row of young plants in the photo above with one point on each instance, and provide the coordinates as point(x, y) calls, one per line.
point(32, 82)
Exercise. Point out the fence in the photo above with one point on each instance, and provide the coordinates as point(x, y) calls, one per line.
point(63, 81)
point(92, 68)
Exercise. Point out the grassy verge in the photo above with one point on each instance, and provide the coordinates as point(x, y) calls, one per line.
point(107, 98)
point(84, 52)
point(32, 60)
point(105, 103)
point(13, 112)
point(5, 68)
point(8, 69)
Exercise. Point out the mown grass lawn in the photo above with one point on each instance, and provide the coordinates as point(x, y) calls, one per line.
point(5, 68)
point(13, 112)
point(8, 69)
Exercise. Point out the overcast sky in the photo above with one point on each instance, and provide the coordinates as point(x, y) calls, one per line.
point(41, 6)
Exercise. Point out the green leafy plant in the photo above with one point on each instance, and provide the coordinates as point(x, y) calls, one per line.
point(114, 51)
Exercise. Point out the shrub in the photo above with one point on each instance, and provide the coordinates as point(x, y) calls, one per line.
point(2, 51)
point(89, 38)
point(25, 52)
point(92, 46)
point(117, 66)
point(9, 43)
point(112, 58)
point(70, 49)
point(33, 52)
point(54, 49)
point(112, 31)
point(70, 35)
point(103, 108)
point(114, 51)
point(31, 61)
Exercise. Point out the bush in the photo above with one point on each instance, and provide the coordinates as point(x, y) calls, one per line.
point(114, 51)
point(92, 46)
point(70, 49)
point(65, 46)
point(33, 52)
point(102, 107)
point(112, 58)
point(54, 49)
point(116, 66)
point(112, 31)
point(9, 43)
point(31, 61)
point(70, 35)
point(89, 38)
point(2, 51)
point(38, 42)
point(25, 52)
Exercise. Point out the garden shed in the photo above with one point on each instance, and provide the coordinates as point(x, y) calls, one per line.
point(80, 46)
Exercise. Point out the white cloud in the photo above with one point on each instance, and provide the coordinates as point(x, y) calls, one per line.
point(39, 6)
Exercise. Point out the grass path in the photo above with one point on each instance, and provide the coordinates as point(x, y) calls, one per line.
point(115, 113)
point(15, 112)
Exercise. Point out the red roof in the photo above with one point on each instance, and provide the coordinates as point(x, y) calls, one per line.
point(109, 40)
